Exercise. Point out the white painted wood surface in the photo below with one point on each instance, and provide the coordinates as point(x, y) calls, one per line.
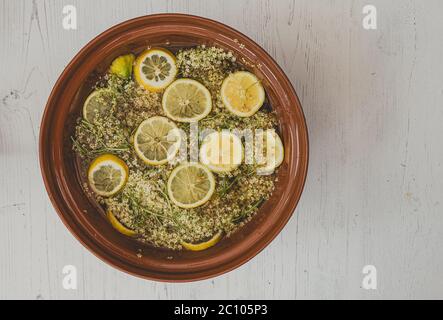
point(374, 106)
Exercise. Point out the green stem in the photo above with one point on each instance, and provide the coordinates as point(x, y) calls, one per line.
point(247, 212)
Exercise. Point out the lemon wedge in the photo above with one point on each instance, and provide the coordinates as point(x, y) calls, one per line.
point(242, 93)
point(98, 103)
point(190, 185)
point(107, 175)
point(187, 100)
point(122, 66)
point(119, 226)
point(221, 151)
point(271, 153)
point(157, 140)
point(204, 245)
point(155, 69)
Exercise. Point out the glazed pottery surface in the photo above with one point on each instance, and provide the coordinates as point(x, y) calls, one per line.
point(87, 221)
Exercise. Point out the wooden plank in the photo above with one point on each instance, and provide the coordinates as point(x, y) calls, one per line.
point(373, 103)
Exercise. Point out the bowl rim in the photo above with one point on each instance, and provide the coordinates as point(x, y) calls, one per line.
point(265, 240)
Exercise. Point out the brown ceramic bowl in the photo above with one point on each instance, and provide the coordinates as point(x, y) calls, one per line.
point(86, 220)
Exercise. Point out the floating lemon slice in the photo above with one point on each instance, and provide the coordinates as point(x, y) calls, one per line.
point(155, 69)
point(271, 153)
point(190, 185)
point(157, 140)
point(204, 245)
point(221, 151)
point(242, 93)
point(119, 226)
point(122, 66)
point(187, 100)
point(98, 103)
point(107, 175)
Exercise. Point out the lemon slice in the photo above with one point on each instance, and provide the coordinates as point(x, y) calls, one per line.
point(98, 103)
point(122, 66)
point(242, 93)
point(190, 185)
point(187, 100)
point(155, 69)
point(221, 151)
point(107, 175)
point(204, 245)
point(119, 226)
point(271, 153)
point(157, 140)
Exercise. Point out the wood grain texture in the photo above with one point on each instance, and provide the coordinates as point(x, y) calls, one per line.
point(373, 102)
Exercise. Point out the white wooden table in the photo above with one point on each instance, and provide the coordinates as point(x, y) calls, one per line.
point(373, 100)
